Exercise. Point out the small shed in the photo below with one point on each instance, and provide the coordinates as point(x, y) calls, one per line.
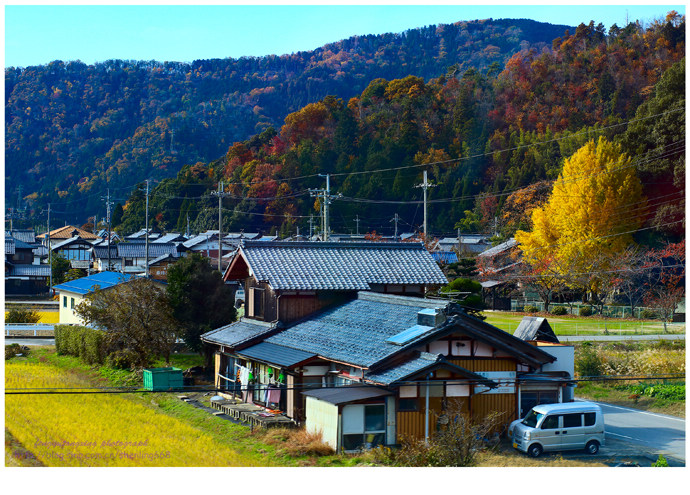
point(535, 328)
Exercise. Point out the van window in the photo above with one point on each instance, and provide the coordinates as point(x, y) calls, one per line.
point(532, 419)
point(572, 420)
point(590, 419)
point(550, 422)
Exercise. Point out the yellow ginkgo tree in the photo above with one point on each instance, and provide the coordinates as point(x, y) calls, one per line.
point(594, 208)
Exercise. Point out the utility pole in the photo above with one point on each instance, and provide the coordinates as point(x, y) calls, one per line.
point(220, 195)
point(326, 194)
point(147, 229)
point(425, 185)
point(357, 220)
point(311, 226)
point(396, 219)
point(50, 253)
point(108, 204)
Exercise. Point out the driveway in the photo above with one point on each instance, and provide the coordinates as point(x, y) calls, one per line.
point(651, 433)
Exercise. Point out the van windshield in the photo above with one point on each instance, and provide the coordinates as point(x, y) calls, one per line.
point(532, 418)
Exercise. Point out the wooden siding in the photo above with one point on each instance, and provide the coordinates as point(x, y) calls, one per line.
point(411, 424)
point(216, 369)
point(489, 364)
point(294, 307)
point(504, 404)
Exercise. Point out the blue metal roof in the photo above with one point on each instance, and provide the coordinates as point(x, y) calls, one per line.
point(102, 280)
point(276, 354)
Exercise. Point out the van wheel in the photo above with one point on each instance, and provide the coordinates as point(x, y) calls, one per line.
point(535, 450)
point(592, 447)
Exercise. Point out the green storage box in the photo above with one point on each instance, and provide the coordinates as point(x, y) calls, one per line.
point(159, 379)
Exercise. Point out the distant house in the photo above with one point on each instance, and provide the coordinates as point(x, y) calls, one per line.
point(24, 275)
point(466, 245)
point(158, 267)
point(333, 340)
point(130, 257)
point(75, 250)
point(64, 233)
point(497, 268)
point(75, 291)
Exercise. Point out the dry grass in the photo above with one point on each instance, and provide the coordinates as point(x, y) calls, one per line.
point(512, 458)
point(295, 442)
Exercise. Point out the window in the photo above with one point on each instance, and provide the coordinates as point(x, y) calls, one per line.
point(572, 420)
point(408, 405)
point(364, 426)
point(256, 302)
point(71, 303)
point(550, 423)
point(590, 419)
point(64, 301)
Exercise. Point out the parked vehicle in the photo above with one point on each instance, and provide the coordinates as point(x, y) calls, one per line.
point(562, 426)
point(239, 297)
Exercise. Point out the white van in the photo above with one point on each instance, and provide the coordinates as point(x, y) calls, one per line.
point(562, 426)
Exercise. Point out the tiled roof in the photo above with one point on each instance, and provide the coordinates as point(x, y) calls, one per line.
point(138, 250)
point(9, 246)
point(73, 240)
point(30, 271)
point(237, 333)
point(356, 332)
point(340, 266)
point(499, 249)
point(84, 285)
point(24, 235)
point(411, 369)
point(101, 251)
point(172, 237)
point(66, 232)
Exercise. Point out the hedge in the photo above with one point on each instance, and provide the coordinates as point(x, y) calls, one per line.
point(85, 343)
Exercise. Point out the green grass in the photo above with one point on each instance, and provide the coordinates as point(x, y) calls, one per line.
point(576, 325)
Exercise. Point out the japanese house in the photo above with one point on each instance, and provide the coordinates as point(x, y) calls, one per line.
point(330, 341)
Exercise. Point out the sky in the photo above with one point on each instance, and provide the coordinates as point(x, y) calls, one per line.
point(38, 34)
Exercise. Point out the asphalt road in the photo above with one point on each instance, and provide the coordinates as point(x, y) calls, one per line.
point(650, 432)
point(30, 342)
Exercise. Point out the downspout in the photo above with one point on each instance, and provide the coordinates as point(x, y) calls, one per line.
point(426, 414)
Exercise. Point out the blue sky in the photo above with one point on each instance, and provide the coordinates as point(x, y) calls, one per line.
point(38, 34)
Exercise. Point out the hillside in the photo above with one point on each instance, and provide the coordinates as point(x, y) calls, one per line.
point(74, 129)
point(491, 142)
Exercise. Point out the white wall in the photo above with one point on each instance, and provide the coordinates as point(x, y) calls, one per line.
point(565, 358)
point(67, 315)
point(322, 417)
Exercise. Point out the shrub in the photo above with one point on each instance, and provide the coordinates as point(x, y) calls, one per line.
point(660, 462)
point(85, 343)
point(457, 444)
point(531, 309)
point(14, 350)
point(559, 311)
point(585, 311)
point(121, 359)
point(22, 315)
point(588, 362)
point(649, 314)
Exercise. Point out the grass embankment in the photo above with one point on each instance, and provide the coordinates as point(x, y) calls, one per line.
point(664, 358)
point(581, 325)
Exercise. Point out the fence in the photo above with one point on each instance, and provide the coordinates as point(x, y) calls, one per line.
point(574, 309)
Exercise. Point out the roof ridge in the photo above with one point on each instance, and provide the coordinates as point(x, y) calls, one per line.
point(323, 245)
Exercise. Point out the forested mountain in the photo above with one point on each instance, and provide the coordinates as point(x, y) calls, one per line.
point(492, 142)
point(74, 129)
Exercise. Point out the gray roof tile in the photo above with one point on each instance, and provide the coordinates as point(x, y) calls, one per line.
point(340, 266)
point(237, 333)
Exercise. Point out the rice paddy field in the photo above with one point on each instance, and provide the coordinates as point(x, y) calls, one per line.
point(99, 429)
point(587, 326)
